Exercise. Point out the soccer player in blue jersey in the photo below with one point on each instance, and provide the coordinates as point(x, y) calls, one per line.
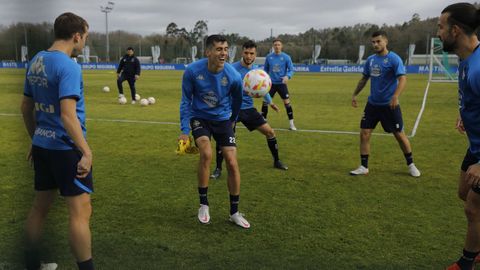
point(457, 27)
point(211, 101)
point(249, 116)
point(388, 80)
point(280, 68)
point(54, 114)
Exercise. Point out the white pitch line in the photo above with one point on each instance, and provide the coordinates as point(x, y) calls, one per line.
point(420, 113)
point(177, 124)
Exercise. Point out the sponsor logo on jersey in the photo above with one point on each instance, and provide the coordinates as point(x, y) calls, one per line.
point(44, 107)
point(36, 73)
point(210, 99)
point(47, 133)
point(375, 71)
point(276, 68)
point(224, 81)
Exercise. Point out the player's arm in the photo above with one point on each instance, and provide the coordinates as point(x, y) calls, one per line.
point(120, 67)
point(266, 66)
point(459, 125)
point(268, 99)
point(237, 98)
point(186, 105)
point(360, 85)
point(137, 68)
point(402, 82)
point(68, 114)
point(28, 114)
point(289, 71)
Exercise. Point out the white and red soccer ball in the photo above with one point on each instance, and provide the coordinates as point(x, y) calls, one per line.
point(257, 83)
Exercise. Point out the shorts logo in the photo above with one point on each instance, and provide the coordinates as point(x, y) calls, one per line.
point(196, 125)
point(210, 99)
point(224, 81)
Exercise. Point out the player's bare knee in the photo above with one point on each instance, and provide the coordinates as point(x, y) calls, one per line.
point(472, 212)
point(270, 133)
point(365, 135)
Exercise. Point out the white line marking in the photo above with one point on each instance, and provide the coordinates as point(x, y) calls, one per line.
point(420, 113)
point(177, 124)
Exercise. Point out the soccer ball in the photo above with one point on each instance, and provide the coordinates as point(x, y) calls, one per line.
point(257, 83)
point(151, 100)
point(106, 89)
point(137, 97)
point(144, 102)
point(122, 100)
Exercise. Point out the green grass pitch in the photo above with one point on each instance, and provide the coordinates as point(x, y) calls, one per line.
point(313, 216)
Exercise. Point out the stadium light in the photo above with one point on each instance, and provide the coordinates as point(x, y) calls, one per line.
point(107, 9)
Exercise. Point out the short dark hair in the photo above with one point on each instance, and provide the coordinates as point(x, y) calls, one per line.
point(130, 48)
point(380, 33)
point(277, 39)
point(464, 15)
point(249, 44)
point(67, 24)
point(214, 38)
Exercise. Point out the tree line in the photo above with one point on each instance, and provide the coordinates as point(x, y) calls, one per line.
point(336, 42)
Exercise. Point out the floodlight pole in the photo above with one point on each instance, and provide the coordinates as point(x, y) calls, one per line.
point(107, 9)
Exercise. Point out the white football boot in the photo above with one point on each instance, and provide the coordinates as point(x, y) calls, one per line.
point(359, 171)
point(203, 214)
point(413, 170)
point(48, 266)
point(238, 219)
point(292, 126)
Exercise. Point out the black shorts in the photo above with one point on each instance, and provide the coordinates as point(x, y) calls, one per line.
point(58, 169)
point(251, 119)
point(391, 120)
point(222, 131)
point(282, 90)
point(469, 160)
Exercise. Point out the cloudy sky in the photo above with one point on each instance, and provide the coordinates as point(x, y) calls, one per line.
point(241, 16)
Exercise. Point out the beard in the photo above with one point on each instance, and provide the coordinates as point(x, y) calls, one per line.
point(76, 52)
point(448, 46)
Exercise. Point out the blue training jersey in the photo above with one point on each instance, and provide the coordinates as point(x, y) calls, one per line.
point(278, 66)
point(210, 96)
point(52, 76)
point(247, 101)
point(469, 99)
point(383, 72)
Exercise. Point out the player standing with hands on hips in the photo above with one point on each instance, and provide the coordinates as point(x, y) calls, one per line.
point(388, 80)
point(211, 101)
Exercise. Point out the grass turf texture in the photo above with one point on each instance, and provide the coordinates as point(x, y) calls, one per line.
point(313, 216)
